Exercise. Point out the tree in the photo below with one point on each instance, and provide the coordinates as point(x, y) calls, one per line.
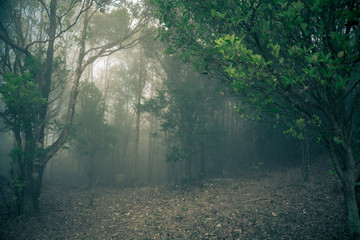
point(28, 53)
point(93, 137)
point(293, 61)
point(186, 113)
point(28, 57)
point(139, 77)
point(122, 119)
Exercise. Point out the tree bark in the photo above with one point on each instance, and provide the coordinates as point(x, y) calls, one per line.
point(352, 209)
point(202, 160)
point(139, 92)
point(34, 162)
point(345, 166)
point(91, 171)
point(35, 153)
point(151, 149)
point(305, 157)
point(137, 139)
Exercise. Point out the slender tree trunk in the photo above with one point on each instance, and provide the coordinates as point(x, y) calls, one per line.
point(170, 172)
point(189, 168)
point(127, 127)
point(17, 170)
point(202, 160)
point(137, 139)
point(28, 205)
point(151, 150)
point(107, 79)
point(139, 92)
point(254, 158)
point(37, 182)
point(305, 157)
point(91, 171)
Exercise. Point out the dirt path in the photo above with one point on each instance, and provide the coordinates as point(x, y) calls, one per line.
point(262, 205)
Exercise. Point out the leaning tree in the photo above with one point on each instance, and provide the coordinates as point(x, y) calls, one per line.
point(31, 44)
point(295, 61)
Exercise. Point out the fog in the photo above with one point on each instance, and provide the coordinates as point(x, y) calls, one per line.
point(220, 142)
point(144, 116)
point(140, 116)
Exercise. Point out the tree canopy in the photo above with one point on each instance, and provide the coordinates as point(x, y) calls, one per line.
point(37, 41)
point(291, 61)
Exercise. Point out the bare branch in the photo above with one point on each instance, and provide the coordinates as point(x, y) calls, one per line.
point(45, 7)
point(15, 46)
point(83, 9)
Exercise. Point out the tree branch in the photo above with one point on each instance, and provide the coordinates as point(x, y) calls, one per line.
point(83, 9)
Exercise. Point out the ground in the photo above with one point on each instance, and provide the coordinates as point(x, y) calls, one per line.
point(260, 204)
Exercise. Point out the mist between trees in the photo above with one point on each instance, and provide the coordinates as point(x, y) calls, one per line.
point(125, 94)
point(152, 122)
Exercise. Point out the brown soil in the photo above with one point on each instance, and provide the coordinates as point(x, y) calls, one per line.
point(258, 205)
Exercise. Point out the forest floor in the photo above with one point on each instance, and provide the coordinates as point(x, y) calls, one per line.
point(262, 204)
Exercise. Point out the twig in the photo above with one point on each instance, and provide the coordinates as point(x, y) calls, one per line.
point(255, 199)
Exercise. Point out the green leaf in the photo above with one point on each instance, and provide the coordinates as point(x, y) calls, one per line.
point(340, 54)
point(232, 38)
point(328, 56)
point(287, 80)
point(315, 57)
point(303, 26)
point(337, 140)
point(221, 15)
point(276, 50)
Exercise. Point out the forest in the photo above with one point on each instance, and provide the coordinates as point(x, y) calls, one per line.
point(179, 119)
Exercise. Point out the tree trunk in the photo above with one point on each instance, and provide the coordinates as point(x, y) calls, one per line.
point(35, 165)
point(202, 160)
point(352, 209)
point(305, 157)
point(139, 92)
point(189, 170)
point(34, 172)
point(254, 157)
point(91, 171)
point(151, 150)
point(342, 153)
point(137, 139)
point(38, 172)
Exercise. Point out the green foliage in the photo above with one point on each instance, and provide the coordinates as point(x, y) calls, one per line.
point(91, 103)
point(91, 132)
point(176, 155)
point(156, 105)
point(187, 108)
point(257, 165)
point(108, 26)
point(286, 60)
point(16, 154)
point(92, 136)
point(332, 172)
point(17, 186)
point(337, 140)
point(296, 130)
point(21, 95)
